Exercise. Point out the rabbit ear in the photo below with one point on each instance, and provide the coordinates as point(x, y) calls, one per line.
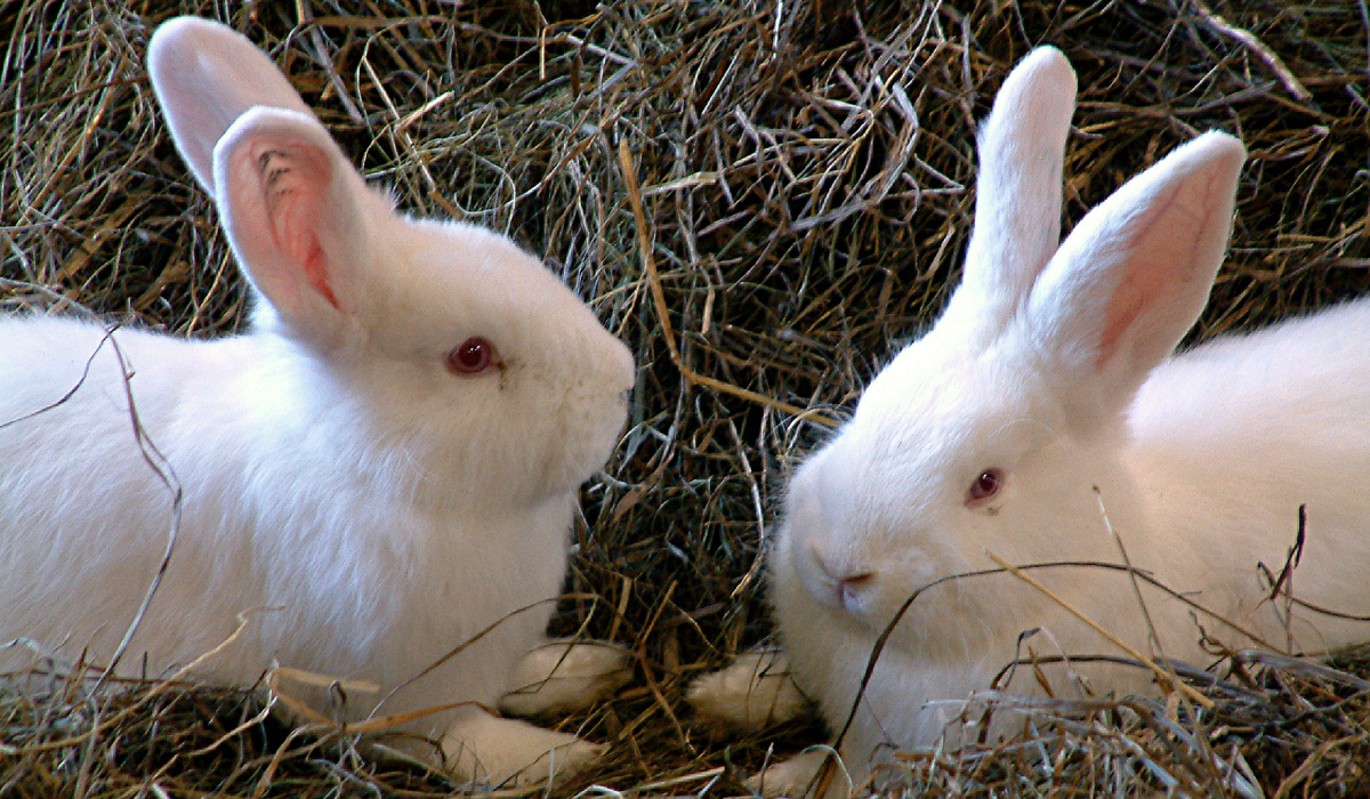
point(296, 213)
point(1133, 276)
point(1018, 199)
point(205, 76)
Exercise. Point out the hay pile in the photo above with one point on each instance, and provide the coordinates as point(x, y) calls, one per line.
point(804, 169)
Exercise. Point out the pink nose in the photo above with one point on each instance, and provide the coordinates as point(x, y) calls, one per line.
point(849, 587)
point(845, 583)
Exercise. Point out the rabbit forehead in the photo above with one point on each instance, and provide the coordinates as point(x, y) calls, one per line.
point(928, 424)
point(940, 401)
point(460, 281)
point(465, 276)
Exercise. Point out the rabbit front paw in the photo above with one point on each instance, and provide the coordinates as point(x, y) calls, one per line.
point(513, 753)
point(565, 676)
point(754, 692)
point(799, 776)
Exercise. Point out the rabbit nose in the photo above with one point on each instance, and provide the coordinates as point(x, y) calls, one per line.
point(846, 585)
point(851, 587)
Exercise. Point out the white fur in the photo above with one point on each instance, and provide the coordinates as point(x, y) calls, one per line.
point(755, 690)
point(382, 509)
point(1054, 365)
point(561, 676)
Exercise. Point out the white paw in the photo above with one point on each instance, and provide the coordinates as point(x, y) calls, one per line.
point(565, 676)
point(512, 753)
point(753, 692)
point(798, 776)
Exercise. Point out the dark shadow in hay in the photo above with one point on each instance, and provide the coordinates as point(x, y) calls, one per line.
point(804, 181)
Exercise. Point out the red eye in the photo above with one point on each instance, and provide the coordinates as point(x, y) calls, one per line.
point(473, 356)
point(985, 486)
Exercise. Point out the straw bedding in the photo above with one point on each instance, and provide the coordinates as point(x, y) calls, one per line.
point(805, 174)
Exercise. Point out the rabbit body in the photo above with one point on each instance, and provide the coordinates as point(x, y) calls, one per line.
point(288, 509)
point(1241, 462)
point(1043, 414)
point(370, 494)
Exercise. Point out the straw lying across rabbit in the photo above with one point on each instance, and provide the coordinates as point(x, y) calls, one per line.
point(385, 466)
point(1044, 412)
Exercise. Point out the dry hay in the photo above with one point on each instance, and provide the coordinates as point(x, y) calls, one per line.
point(804, 171)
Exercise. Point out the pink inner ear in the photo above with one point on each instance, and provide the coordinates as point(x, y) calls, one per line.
point(1163, 247)
point(294, 182)
point(1127, 303)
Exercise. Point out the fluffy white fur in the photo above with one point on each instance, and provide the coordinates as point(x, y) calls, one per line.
point(754, 691)
point(1054, 366)
point(375, 508)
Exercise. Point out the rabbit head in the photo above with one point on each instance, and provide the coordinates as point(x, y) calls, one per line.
point(992, 431)
point(453, 356)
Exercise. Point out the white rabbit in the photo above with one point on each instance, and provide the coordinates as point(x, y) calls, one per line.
point(383, 467)
point(1044, 406)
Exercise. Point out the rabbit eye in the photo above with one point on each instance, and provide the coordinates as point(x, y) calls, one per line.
point(472, 356)
point(985, 486)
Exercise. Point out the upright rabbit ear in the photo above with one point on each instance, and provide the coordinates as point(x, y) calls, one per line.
point(298, 216)
point(205, 76)
point(1133, 276)
point(1018, 193)
point(295, 210)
